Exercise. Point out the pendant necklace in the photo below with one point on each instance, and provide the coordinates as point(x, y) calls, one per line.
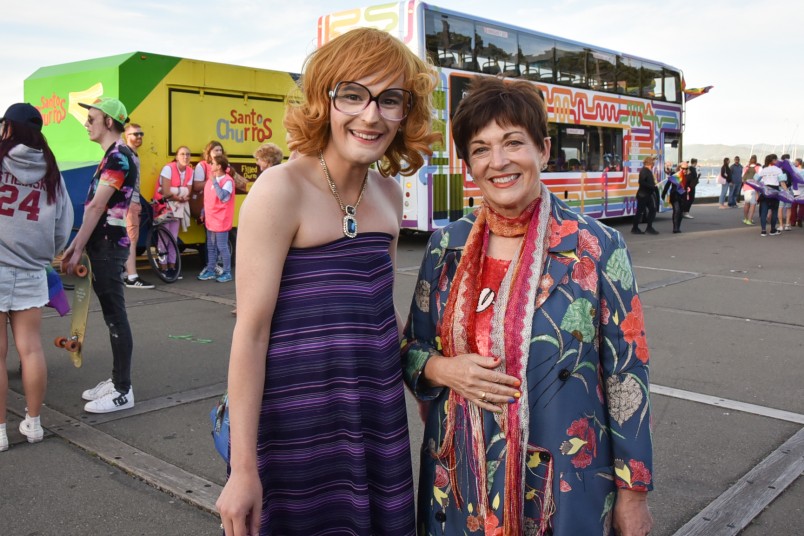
point(349, 211)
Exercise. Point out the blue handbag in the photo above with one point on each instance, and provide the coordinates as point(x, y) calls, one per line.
point(220, 426)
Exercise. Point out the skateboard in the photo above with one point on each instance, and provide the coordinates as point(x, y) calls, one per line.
point(78, 326)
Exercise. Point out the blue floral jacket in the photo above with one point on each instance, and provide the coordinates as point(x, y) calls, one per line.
point(588, 376)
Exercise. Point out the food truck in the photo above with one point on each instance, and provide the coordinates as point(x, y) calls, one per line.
point(177, 102)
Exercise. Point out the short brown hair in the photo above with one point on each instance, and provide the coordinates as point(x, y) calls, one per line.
point(490, 99)
point(358, 54)
point(270, 152)
point(222, 161)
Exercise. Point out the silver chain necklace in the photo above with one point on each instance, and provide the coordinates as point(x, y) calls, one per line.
point(349, 211)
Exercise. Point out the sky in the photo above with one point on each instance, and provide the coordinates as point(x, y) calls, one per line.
point(749, 51)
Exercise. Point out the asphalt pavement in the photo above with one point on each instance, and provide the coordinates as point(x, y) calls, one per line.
point(724, 314)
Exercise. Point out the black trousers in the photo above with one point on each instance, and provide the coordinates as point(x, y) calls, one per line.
point(108, 262)
point(678, 203)
point(686, 205)
point(645, 204)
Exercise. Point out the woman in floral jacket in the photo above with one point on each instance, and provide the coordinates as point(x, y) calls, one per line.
point(526, 341)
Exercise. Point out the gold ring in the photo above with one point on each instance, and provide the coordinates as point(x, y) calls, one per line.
point(482, 396)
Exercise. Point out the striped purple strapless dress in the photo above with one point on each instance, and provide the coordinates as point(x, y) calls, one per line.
point(333, 447)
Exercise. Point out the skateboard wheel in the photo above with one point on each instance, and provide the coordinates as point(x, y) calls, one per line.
point(81, 271)
point(60, 342)
point(73, 346)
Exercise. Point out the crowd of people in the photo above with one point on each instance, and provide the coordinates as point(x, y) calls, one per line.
point(37, 223)
point(777, 187)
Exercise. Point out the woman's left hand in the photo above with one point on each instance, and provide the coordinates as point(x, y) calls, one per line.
point(631, 514)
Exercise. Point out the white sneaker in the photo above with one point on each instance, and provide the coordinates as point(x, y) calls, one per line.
point(114, 401)
point(32, 429)
point(102, 389)
point(3, 439)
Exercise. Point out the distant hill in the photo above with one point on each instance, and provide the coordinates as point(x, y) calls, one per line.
point(711, 155)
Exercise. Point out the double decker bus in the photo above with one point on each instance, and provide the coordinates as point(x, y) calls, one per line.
point(607, 110)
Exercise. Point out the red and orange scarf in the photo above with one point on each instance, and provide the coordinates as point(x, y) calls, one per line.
point(511, 327)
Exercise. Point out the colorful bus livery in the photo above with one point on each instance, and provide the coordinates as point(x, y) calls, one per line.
point(607, 110)
point(176, 101)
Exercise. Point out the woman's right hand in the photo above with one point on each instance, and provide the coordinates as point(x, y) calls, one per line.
point(473, 377)
point(240, 504)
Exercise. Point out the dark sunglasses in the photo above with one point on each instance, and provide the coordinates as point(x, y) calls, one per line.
point(137, 134)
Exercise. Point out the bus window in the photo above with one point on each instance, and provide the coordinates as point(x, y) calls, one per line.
point(569, 148)
point(437, 40)
point(602, 71)
point(672, 86)
point(584, 148)
point(496, 50)
point(462, 43)
point(651, 77)
point(605, 148)
point(449, 41)
point(628, 76)
point(536, 55)
point(570, 65)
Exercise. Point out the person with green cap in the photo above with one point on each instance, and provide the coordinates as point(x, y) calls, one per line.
point(103, 235)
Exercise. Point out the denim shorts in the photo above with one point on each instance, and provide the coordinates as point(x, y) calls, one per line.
point(22, 289)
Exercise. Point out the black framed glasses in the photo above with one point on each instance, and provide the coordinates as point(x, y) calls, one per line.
point(137, 134)
point(352, 98)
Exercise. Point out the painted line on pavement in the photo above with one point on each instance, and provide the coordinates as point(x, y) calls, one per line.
point(741, 277)
point(758, 321)
point(728, 404)
point(734, 509)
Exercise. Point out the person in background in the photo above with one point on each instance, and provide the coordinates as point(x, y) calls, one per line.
point(771, 176)
point(218, 216)
point(518, 441)
point(736, 176)
point(693, 178)
point(319, 435)
point(677, 185)
point(268, 155)
point(785, 208)
point(749, 194)
point(645, 198)
point(797, 210)
point(133, 137)
point(175, 185)
point(103, 234)
point(203, 168)
point(32, 185)
point(724, 179)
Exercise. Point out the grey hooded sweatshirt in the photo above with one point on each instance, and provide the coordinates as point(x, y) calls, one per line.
point(31, 231)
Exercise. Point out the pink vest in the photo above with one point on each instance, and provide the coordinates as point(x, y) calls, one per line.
point(218, 216)
point(176, 179)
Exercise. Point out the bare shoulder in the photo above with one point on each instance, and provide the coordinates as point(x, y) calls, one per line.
point(389, 188)
point(275, 199)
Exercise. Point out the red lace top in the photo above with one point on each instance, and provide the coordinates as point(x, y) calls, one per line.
point(492, 276)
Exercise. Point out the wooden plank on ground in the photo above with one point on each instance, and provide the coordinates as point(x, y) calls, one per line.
point(733, 510)
point(158, 473)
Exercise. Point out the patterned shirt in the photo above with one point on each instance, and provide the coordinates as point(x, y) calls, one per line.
point(118, 170)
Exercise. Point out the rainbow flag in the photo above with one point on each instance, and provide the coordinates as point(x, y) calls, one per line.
point(58, 298)
point(691, 93)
